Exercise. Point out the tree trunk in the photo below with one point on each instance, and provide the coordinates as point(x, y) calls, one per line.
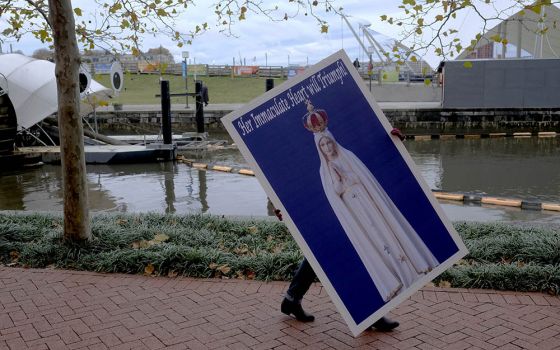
point(67, 61)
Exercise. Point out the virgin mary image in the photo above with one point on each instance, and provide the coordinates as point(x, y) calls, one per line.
point(388, 246)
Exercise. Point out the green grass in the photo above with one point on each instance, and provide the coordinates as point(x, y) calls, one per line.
point(501, 256)
point(142, 88)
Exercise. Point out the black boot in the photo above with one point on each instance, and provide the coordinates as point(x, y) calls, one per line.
point(294, 308)
point(385, 324)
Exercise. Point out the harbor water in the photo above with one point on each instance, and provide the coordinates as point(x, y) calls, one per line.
point(522, 168)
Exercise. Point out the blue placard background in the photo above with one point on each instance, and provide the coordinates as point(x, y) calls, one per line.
point(286, 153)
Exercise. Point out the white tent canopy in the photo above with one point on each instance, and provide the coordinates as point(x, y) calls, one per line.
point(31, 86)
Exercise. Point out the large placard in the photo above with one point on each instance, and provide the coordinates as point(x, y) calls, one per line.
point(350, 193)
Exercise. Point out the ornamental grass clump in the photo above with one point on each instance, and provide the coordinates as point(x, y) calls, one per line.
point(508, 257)
point(154, 244)
point(502, 256)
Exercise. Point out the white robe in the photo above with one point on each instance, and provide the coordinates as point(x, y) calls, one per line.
point(390, 249)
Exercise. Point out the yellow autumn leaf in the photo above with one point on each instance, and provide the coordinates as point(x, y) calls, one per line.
point(213, 266)
point(161, 237)
point(225, 269)
point(444, 284)
point(253, 229)
point(172, 274)
point(497, 38)
point(43, 35)
point(240, 250)
point(14, 255)
point(467, 64)
point(140, 244)
point(324, 28)
point(78, 11)
point(149, 269)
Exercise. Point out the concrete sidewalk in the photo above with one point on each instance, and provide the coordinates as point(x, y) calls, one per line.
point(58, 309)
point(233, 106)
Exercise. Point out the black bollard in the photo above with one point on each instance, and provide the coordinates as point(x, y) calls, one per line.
point(165, 112)
point(199, 117)
point(269, 84)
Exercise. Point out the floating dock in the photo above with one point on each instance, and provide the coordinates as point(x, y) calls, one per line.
point(108, 154)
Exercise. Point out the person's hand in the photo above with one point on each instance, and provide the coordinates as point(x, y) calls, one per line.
point(398, 133)
point(278, 214)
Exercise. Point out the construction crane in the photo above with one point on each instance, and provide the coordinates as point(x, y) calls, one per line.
point(374, 46)
point(377, 48)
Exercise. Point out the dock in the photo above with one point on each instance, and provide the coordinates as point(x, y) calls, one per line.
point(107, 154)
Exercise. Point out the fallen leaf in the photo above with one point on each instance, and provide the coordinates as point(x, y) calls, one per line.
point(213, 266)
point(172, 274)
point(250, 275)
point(253, 229)
point(148, 270)
point(161, 237)
point(140, 244)
point(506, 261)
point(14, 255)
point(122, 221)
point(241, 250)
point(225, 269)
point(444, 284)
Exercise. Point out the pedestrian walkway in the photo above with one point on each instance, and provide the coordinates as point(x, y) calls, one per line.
point(58, 309)
point(234, 106)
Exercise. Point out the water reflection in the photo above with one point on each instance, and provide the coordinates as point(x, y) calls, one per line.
point(523, 168)
point(526, 168)
point(202, 190)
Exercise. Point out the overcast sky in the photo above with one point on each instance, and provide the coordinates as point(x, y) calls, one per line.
point(296, 41)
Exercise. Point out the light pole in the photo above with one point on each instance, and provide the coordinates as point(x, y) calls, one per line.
point(185, 56)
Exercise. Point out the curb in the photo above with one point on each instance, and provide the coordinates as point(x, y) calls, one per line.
point(440, 195)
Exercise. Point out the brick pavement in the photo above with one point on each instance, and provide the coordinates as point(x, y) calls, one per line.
point(58, 309)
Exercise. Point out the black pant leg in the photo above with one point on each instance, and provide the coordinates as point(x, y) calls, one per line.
point(302, 280)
